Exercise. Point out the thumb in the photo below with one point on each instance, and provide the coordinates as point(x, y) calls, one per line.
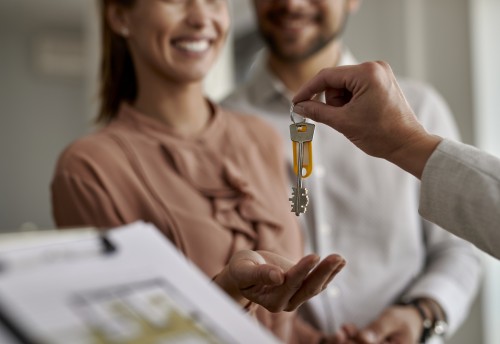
point(248, 273)
point(319, 112)
point(377, 331)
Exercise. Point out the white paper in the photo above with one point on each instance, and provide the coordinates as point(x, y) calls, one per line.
point(63, 289)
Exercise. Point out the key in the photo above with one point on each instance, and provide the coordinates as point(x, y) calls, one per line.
point(301, 134)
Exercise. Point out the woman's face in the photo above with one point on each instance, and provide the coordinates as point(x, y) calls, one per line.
point(176, 39)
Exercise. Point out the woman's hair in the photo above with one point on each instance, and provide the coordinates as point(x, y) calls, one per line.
point(117, 80)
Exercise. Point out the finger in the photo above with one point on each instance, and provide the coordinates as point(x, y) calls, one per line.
point(345, 334)
point(296, 274)
point(336, 97)
point(327, 270)
point(248, 273)
point(340, 337)
point(334, 273)
point(368, 337)
point(320, 112)
point(378, 331)
point(316, 281)
point(332, 78)
point(350, 330)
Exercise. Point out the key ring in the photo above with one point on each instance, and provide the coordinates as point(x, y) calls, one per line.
point(292, 117)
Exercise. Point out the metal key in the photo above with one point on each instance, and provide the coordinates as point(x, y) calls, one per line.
point(300, 133)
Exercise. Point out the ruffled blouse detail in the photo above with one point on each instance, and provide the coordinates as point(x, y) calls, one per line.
point(214, 173)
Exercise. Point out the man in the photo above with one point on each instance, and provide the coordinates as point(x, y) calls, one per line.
point(401, 270)
point(460, 184)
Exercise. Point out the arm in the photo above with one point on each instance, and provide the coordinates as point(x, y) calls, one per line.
point(461, 192)
point(449, 277)
point(365, 103)
point(76, 202)
point(451, 273)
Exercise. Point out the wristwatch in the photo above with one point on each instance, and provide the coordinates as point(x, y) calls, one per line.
point(427, 323)
point(440, 325)
point(435, 324)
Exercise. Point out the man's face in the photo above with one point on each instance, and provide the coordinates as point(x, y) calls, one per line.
point(296, 29)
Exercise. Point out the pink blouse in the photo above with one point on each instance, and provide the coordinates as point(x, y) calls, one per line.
point(211, 195)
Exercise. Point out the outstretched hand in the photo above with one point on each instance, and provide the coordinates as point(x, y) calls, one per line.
point(275, 282)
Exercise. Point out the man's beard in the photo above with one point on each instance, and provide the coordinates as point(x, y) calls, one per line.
point(314, 47)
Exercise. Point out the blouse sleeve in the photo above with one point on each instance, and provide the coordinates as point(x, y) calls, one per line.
point(77, 202)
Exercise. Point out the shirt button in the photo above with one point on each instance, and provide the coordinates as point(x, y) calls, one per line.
point(333, 291)
point(320, 171)
point(324, 229)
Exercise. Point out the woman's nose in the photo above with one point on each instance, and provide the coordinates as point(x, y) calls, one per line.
point(198, 12)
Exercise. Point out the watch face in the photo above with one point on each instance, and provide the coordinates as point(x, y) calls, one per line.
point(427, 323)
point(440, 327)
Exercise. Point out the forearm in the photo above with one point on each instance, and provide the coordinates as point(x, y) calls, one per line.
point(468, 210)
point(412, 156)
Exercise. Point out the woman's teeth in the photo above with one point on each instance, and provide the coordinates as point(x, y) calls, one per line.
point(194, 46)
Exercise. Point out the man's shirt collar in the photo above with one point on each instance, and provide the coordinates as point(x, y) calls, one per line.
point(265, 87)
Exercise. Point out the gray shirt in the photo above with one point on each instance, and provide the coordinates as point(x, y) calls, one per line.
point(461, 192)
point(366, 209)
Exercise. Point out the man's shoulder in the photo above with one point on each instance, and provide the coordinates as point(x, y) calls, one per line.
point(430, 107)
point(254, 127)
point(418, 92)
point(239, 95)
point(250, 92)
point(244, 97)
point(414, 84)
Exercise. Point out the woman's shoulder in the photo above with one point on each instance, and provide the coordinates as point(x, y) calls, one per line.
point(98, 149)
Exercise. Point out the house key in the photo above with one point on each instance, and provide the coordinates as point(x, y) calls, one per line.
point(301, 134)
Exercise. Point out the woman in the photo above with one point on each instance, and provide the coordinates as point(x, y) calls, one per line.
point(210, 180)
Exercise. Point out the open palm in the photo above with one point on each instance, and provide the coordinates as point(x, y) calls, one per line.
point(277, 283)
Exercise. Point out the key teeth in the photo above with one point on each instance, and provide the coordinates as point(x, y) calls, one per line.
point(304, 201)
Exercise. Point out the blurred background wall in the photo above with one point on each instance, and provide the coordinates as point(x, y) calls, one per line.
point(42, 103)
point(48, 66)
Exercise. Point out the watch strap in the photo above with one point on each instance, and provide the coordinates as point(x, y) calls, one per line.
point(427, 323)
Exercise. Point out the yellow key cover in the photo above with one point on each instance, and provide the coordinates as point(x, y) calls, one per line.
point(307, 160)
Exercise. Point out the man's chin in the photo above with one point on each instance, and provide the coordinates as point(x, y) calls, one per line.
point(292, 55)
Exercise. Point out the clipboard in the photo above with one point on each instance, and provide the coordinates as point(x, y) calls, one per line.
point(128, 285)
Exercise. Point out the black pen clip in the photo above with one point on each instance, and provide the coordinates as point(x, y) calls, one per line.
point(107, 246)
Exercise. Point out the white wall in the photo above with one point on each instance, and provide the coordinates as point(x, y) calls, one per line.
point(39, 115)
